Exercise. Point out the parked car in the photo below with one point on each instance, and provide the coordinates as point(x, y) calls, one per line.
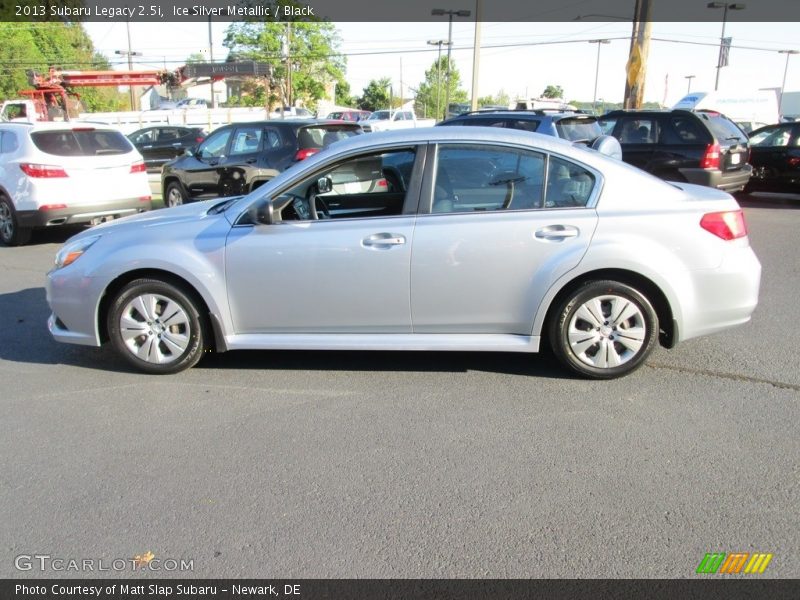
point(390, 120)
point(192, 103)
point(775, 156)
point(702, 147)
point(349, 115)
point(65, 173)
point(159, 145)
point(492, 240)
point(238, 158)
point(566, 125)
point(571, 126)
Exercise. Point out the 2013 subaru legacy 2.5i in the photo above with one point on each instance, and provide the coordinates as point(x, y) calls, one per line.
point(446, 238)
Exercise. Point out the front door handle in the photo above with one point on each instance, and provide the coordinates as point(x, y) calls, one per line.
point(383, 240)
point(556, 233)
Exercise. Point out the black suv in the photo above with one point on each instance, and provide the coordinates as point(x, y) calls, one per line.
point(566, 125)
point(236, 159)
point(701, 147)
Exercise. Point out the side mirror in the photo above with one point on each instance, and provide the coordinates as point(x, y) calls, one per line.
point(324, 185)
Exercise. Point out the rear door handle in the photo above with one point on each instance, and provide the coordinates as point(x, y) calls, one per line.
point(383, 240)
point(556, 233)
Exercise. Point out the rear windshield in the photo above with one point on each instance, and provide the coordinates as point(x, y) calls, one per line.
point(578, 129)
point(723, 129)
point(81, 142)
point(322, 136)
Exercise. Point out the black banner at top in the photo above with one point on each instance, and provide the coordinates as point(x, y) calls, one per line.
point(390, 11)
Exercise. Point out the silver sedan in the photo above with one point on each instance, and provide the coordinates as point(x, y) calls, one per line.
point(470, 239)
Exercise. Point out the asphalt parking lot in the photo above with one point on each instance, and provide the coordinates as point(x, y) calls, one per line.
point(357, 465)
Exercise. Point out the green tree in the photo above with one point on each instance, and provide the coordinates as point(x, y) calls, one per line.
point(501, 99)
point(39, 46)
point(310, 46)
point(553, 91)
point(432, 92)
point(376, 95)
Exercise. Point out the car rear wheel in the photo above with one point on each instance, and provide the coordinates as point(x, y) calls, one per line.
point(174, 195)
point(604, 329)
point(156, 327)
point(11, 234)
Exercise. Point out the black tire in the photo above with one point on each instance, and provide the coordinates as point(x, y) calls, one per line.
point(11, 234)
point(178, 342)
point(174, 195)
point(600, 346)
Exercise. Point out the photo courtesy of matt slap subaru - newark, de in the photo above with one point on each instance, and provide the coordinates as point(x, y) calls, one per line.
point(447, 238)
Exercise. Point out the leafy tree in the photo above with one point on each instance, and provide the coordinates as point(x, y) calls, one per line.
point(433, 91)
point(553, 91)
point(311, 46)
point(376, 95)
point(343, 96)
point(501, 99)
point(39, 46)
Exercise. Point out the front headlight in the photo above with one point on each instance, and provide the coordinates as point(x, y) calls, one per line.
point(72, 251)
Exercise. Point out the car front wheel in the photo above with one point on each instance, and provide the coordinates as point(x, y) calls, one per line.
point(174, 196)
point(156, 327)
point(604, 329)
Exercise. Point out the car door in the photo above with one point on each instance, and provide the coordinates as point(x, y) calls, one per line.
point(775, 157)
point(246, 145)
point(498, 226)
point(202, 170)
point(168, 144)
point(637, 135)
point(346, 271)
point(145, 140)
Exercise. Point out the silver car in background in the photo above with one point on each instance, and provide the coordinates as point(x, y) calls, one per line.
point(448, 238)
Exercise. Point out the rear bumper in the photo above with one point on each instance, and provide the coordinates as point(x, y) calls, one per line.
point(727, 181)
point(83, 214)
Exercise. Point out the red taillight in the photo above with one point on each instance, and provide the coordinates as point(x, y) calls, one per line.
point(52, 207)
point(305, 153)
point(199, 139)
point(138, 167)
point(82, 129)
point(794, 162)
point(710, 159)
point(32, 170)
point(728, 225)
point(383, 183)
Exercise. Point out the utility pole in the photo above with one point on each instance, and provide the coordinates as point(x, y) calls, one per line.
point(130, 53)
point(211, 59)
point(437, 12)
point(640, 47)
point(476, 56)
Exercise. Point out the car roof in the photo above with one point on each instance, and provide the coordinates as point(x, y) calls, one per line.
point(58, 125)
point(456, 133)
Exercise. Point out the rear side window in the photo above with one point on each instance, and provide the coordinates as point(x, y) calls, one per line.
point(81, 142)
point(578, 129)
point(246, 140)
point(684, 130)
point(640, 130)
point(723, 129)
point(568, 185)
point(325, 135)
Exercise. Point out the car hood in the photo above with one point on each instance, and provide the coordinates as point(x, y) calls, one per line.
point(159, 218)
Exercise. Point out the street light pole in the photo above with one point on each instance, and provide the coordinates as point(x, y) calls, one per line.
point(597, 70)
point(438, 73)
point(725, 6)
point(130, 54)
point(788, 53)
point(437, 12)
point(689, 79)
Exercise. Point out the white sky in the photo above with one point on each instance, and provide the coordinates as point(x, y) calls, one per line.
point(399, 50)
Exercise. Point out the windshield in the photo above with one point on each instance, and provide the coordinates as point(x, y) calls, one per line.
point(380, 115)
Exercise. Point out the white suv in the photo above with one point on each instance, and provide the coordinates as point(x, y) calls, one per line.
point(66, 173)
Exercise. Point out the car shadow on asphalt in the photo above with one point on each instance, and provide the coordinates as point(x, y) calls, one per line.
point(769, 200)
point(24, 338)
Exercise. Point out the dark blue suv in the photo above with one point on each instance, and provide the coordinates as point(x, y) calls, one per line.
point(570, 126)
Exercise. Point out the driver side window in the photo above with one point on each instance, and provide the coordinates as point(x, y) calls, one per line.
point(214, 146)
point(370, 185)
